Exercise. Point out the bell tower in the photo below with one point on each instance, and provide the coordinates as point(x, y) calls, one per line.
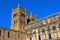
point(18, 18)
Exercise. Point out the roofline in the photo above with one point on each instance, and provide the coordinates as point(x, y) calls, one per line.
point(12, 30)
point(49, 16)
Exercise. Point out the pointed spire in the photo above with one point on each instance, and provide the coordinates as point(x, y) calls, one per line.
point(31, 13)
point(18, 5)
point(25, 9)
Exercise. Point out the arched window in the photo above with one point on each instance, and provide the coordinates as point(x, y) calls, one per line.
point(48, 28)
point(50, 20)
point(54, 17)
point(50, 36)
point(22, 14)
point(39, 37)
point(30, 38)
point(18, 35)
point(14, 14)
point(15, 21)
point(0, 32)
point(43, 31)
point(41, 23)
point(54, 27)
point(8, 34)
point(28, 20)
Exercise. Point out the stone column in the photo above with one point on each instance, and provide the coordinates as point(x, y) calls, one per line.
point(36, 34)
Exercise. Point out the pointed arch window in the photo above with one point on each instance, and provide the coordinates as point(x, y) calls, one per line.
point(39, 37)
point(14, 14)
point(0, 32)
point(22, 14)
point(15, 21)
point(54, 17)
point(50, 36)
point(54, 27)
point(43, 31)
point(18, 35)
point(30, 38)
point(50, 20)
point(48, 28)
point(41, 23)
point(8, 34)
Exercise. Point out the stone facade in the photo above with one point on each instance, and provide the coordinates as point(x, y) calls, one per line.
point(18, 23)
point(19, 18)
point(29, 28)
point(8, 34)
point(45, 29)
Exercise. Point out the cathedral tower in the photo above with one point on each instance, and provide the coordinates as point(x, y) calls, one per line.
point(18, 18)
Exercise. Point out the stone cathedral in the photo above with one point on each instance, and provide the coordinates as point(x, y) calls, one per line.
point(30, 28)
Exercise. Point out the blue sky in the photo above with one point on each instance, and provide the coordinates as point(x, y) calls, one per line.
point(40, 8)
